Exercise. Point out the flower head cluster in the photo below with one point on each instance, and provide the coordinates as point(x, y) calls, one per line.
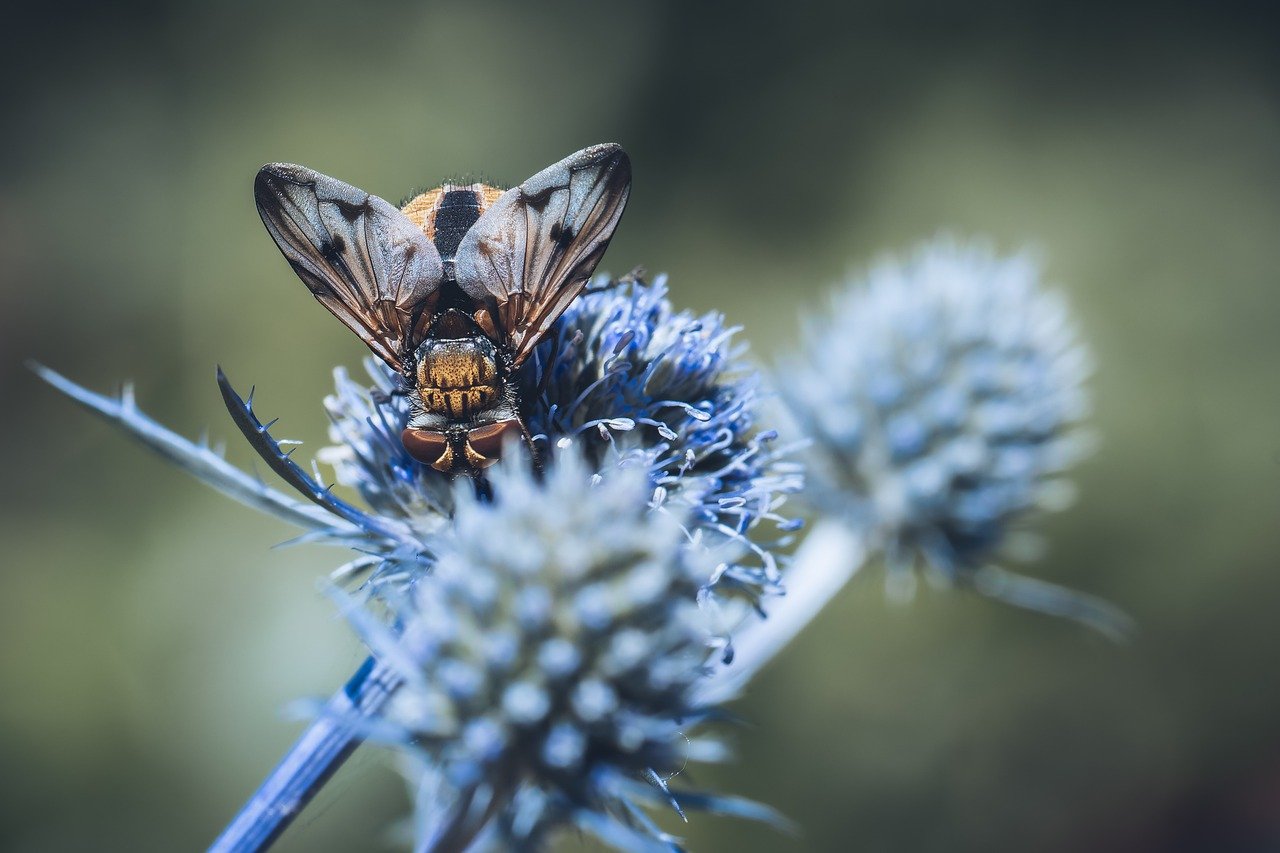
point(549, 661)
point(637, 383)
point(632, 383)
point(943, 396)
point(544, 647)
point(552, 645)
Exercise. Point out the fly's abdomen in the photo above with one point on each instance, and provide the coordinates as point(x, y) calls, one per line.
point(458, 377)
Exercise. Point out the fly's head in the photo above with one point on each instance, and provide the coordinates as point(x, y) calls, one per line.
point(463, 451)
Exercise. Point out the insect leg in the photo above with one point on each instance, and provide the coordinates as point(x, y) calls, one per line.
point(382, 398)
point(636, 275)
point(534, 456)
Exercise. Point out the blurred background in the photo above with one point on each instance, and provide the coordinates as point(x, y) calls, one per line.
point(150, 636)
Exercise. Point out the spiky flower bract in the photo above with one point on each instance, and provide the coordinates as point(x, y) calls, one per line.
point(631, 382)
point(944, 396)
point(549, 662)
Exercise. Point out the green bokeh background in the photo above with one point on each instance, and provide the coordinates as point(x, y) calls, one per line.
point(150, 636)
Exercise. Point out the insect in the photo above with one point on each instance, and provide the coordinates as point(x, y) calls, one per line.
point(455, 289)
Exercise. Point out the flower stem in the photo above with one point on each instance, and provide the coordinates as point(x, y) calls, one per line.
point(309, 764)
point(829, 557)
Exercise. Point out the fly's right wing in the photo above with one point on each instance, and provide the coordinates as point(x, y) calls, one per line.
point(533, 250)
point(358, 255)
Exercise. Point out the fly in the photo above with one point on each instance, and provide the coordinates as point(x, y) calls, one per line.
point(455, 289)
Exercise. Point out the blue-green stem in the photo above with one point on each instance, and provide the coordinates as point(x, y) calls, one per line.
point(309, 764)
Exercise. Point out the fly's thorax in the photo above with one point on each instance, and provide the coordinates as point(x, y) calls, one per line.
point(458, 377)
point(446, 213)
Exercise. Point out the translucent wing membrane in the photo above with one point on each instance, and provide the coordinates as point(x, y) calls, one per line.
point(531, 253)
point(361, 257)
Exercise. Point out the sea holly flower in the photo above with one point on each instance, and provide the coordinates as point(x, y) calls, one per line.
point(623, 375)
point(631, 382)
point(944, 396)
point(546, 657)
point(549, 665)
point(623, 383)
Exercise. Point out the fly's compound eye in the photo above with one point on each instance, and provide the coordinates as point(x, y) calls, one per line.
point(429, 448)
point(484, 444)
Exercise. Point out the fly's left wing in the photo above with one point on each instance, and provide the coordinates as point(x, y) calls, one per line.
point(359, 256)
point(533, 250)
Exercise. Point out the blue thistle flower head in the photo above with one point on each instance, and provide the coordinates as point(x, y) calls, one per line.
point(944, 396)
point(545, 648)
point(549, 663)
point(629, 381)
